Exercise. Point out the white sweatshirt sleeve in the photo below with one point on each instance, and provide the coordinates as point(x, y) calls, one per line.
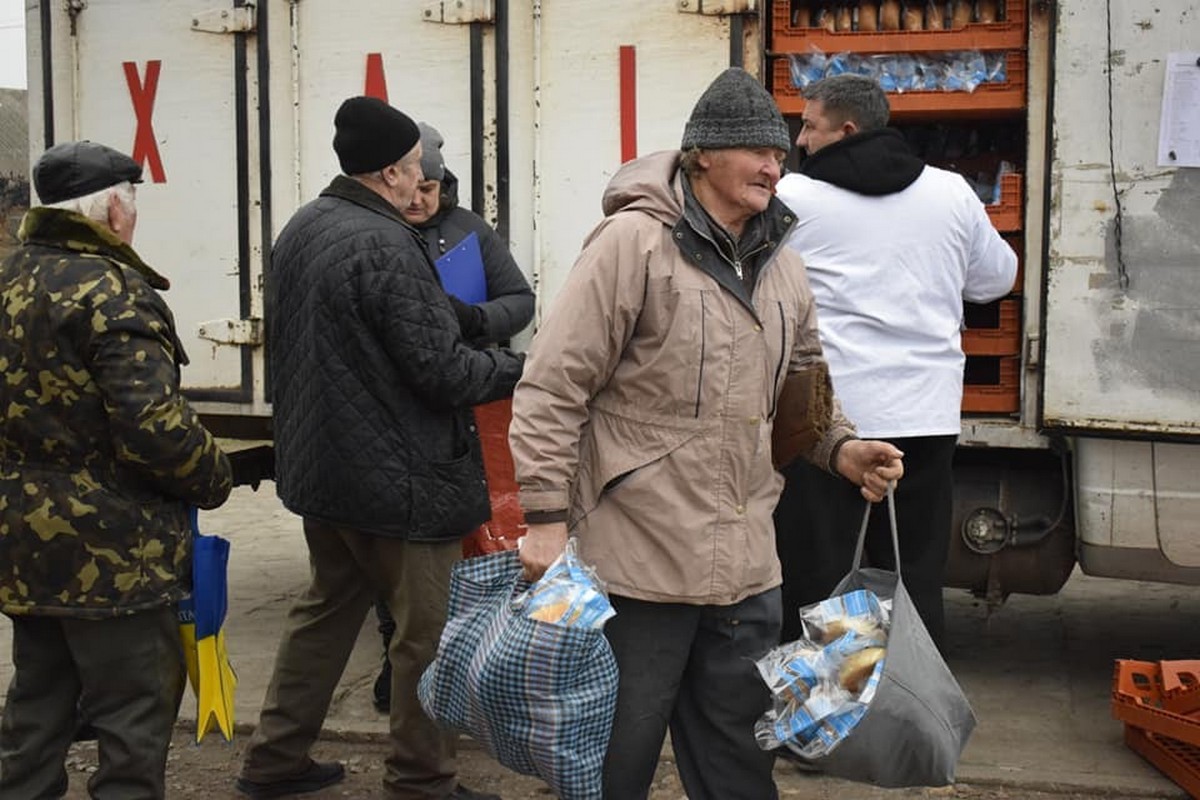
point(992, 264)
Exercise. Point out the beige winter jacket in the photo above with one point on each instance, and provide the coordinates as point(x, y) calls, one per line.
point(647, 400)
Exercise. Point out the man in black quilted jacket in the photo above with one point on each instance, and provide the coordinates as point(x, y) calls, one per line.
point(375, 448)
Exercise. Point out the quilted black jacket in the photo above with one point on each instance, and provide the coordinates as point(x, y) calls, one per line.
point(373, 385)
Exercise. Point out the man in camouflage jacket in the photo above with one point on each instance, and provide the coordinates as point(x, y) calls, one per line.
point(100, 457)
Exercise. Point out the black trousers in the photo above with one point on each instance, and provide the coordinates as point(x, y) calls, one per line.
point(124, 674)
point(817, 522)
point(691, 668)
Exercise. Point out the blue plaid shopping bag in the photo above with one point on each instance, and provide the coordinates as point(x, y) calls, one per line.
point(540, 697)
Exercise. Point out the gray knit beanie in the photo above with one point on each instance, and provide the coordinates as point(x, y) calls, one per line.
point(736, 111)
point(432, 163)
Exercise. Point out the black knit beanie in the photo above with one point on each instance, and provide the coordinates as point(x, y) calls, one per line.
point(371, 134)
point(736, 111)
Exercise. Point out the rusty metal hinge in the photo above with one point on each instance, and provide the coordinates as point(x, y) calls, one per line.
point(233, 331)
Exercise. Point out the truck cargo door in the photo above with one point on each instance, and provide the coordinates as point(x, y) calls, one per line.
point(1122, 323)
point(386, 50)
point(615, 84)
point(168, 83)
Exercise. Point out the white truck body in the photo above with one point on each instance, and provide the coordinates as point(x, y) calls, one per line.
point(230, 109)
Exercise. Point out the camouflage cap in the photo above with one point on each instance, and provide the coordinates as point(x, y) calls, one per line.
point(75, 169)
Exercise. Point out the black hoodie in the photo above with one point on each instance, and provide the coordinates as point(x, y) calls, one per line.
point(873, 163)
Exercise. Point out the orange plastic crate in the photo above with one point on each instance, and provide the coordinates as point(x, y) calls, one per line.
point(1007, 215)
point(1137, 699)
point(1017, 242)
point(989, 99)
point(1181, 686)
point(999, 330)
point(1178, 760)
point(992, 385)
point(1005, 35)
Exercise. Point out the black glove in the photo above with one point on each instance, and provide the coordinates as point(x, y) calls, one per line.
point(470, 318)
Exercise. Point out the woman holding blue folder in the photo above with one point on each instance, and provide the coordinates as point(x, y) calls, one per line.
point(486, 287)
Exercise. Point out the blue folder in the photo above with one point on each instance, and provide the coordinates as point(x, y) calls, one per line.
point(461, 271)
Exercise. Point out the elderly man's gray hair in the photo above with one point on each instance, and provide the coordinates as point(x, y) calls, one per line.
point(94, 205)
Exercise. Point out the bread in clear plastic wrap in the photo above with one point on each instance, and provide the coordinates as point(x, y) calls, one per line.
point(822, 684)
point(859, 612)
point(568, 594)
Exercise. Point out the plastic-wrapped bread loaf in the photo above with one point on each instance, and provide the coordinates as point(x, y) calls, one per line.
point(802, 16)
point(868, 15)
point(913, 16)
point(889, 15)
point(844, 18)
point(857, 667)
point(987, 10)
point(823, 18)
point(962, 13)
point(935, 15)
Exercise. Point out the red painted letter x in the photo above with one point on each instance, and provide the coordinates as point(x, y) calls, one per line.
point(145, 148)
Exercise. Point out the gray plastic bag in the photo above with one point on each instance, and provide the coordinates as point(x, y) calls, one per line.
point(919, 721)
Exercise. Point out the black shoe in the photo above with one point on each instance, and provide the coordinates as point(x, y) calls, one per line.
point(382, 693)
point(463, 793)
point(316, 777)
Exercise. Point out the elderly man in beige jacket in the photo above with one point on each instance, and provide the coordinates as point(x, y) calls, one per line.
point(643, 424)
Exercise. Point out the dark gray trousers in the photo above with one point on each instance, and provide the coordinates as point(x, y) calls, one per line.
point(125, 675)
point(691, 668)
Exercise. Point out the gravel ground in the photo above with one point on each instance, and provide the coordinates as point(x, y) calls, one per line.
point(207, 771)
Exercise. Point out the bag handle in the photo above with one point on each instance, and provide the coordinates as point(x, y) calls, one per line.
point(862, 531)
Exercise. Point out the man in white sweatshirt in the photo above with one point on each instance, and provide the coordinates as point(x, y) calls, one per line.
point(892, 248)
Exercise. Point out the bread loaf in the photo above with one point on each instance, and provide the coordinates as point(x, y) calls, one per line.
point(857, 668)
point(838, 627)
point(868, 15)
point(913, 16)
point(844, 18)
point(889, 15)
point(962, 14)
point(935, 15)
point(987, 10)
point(551, 612)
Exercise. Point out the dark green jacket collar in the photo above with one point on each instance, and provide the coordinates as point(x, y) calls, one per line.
point(56, 227)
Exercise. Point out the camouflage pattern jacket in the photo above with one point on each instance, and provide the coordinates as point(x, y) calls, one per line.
point(100, 454)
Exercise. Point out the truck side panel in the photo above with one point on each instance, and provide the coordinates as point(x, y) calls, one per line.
point(137, 77)
point(1122, 325)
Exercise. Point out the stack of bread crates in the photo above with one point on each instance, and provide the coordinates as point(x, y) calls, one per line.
point(980, 132)
point(1159, 702)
